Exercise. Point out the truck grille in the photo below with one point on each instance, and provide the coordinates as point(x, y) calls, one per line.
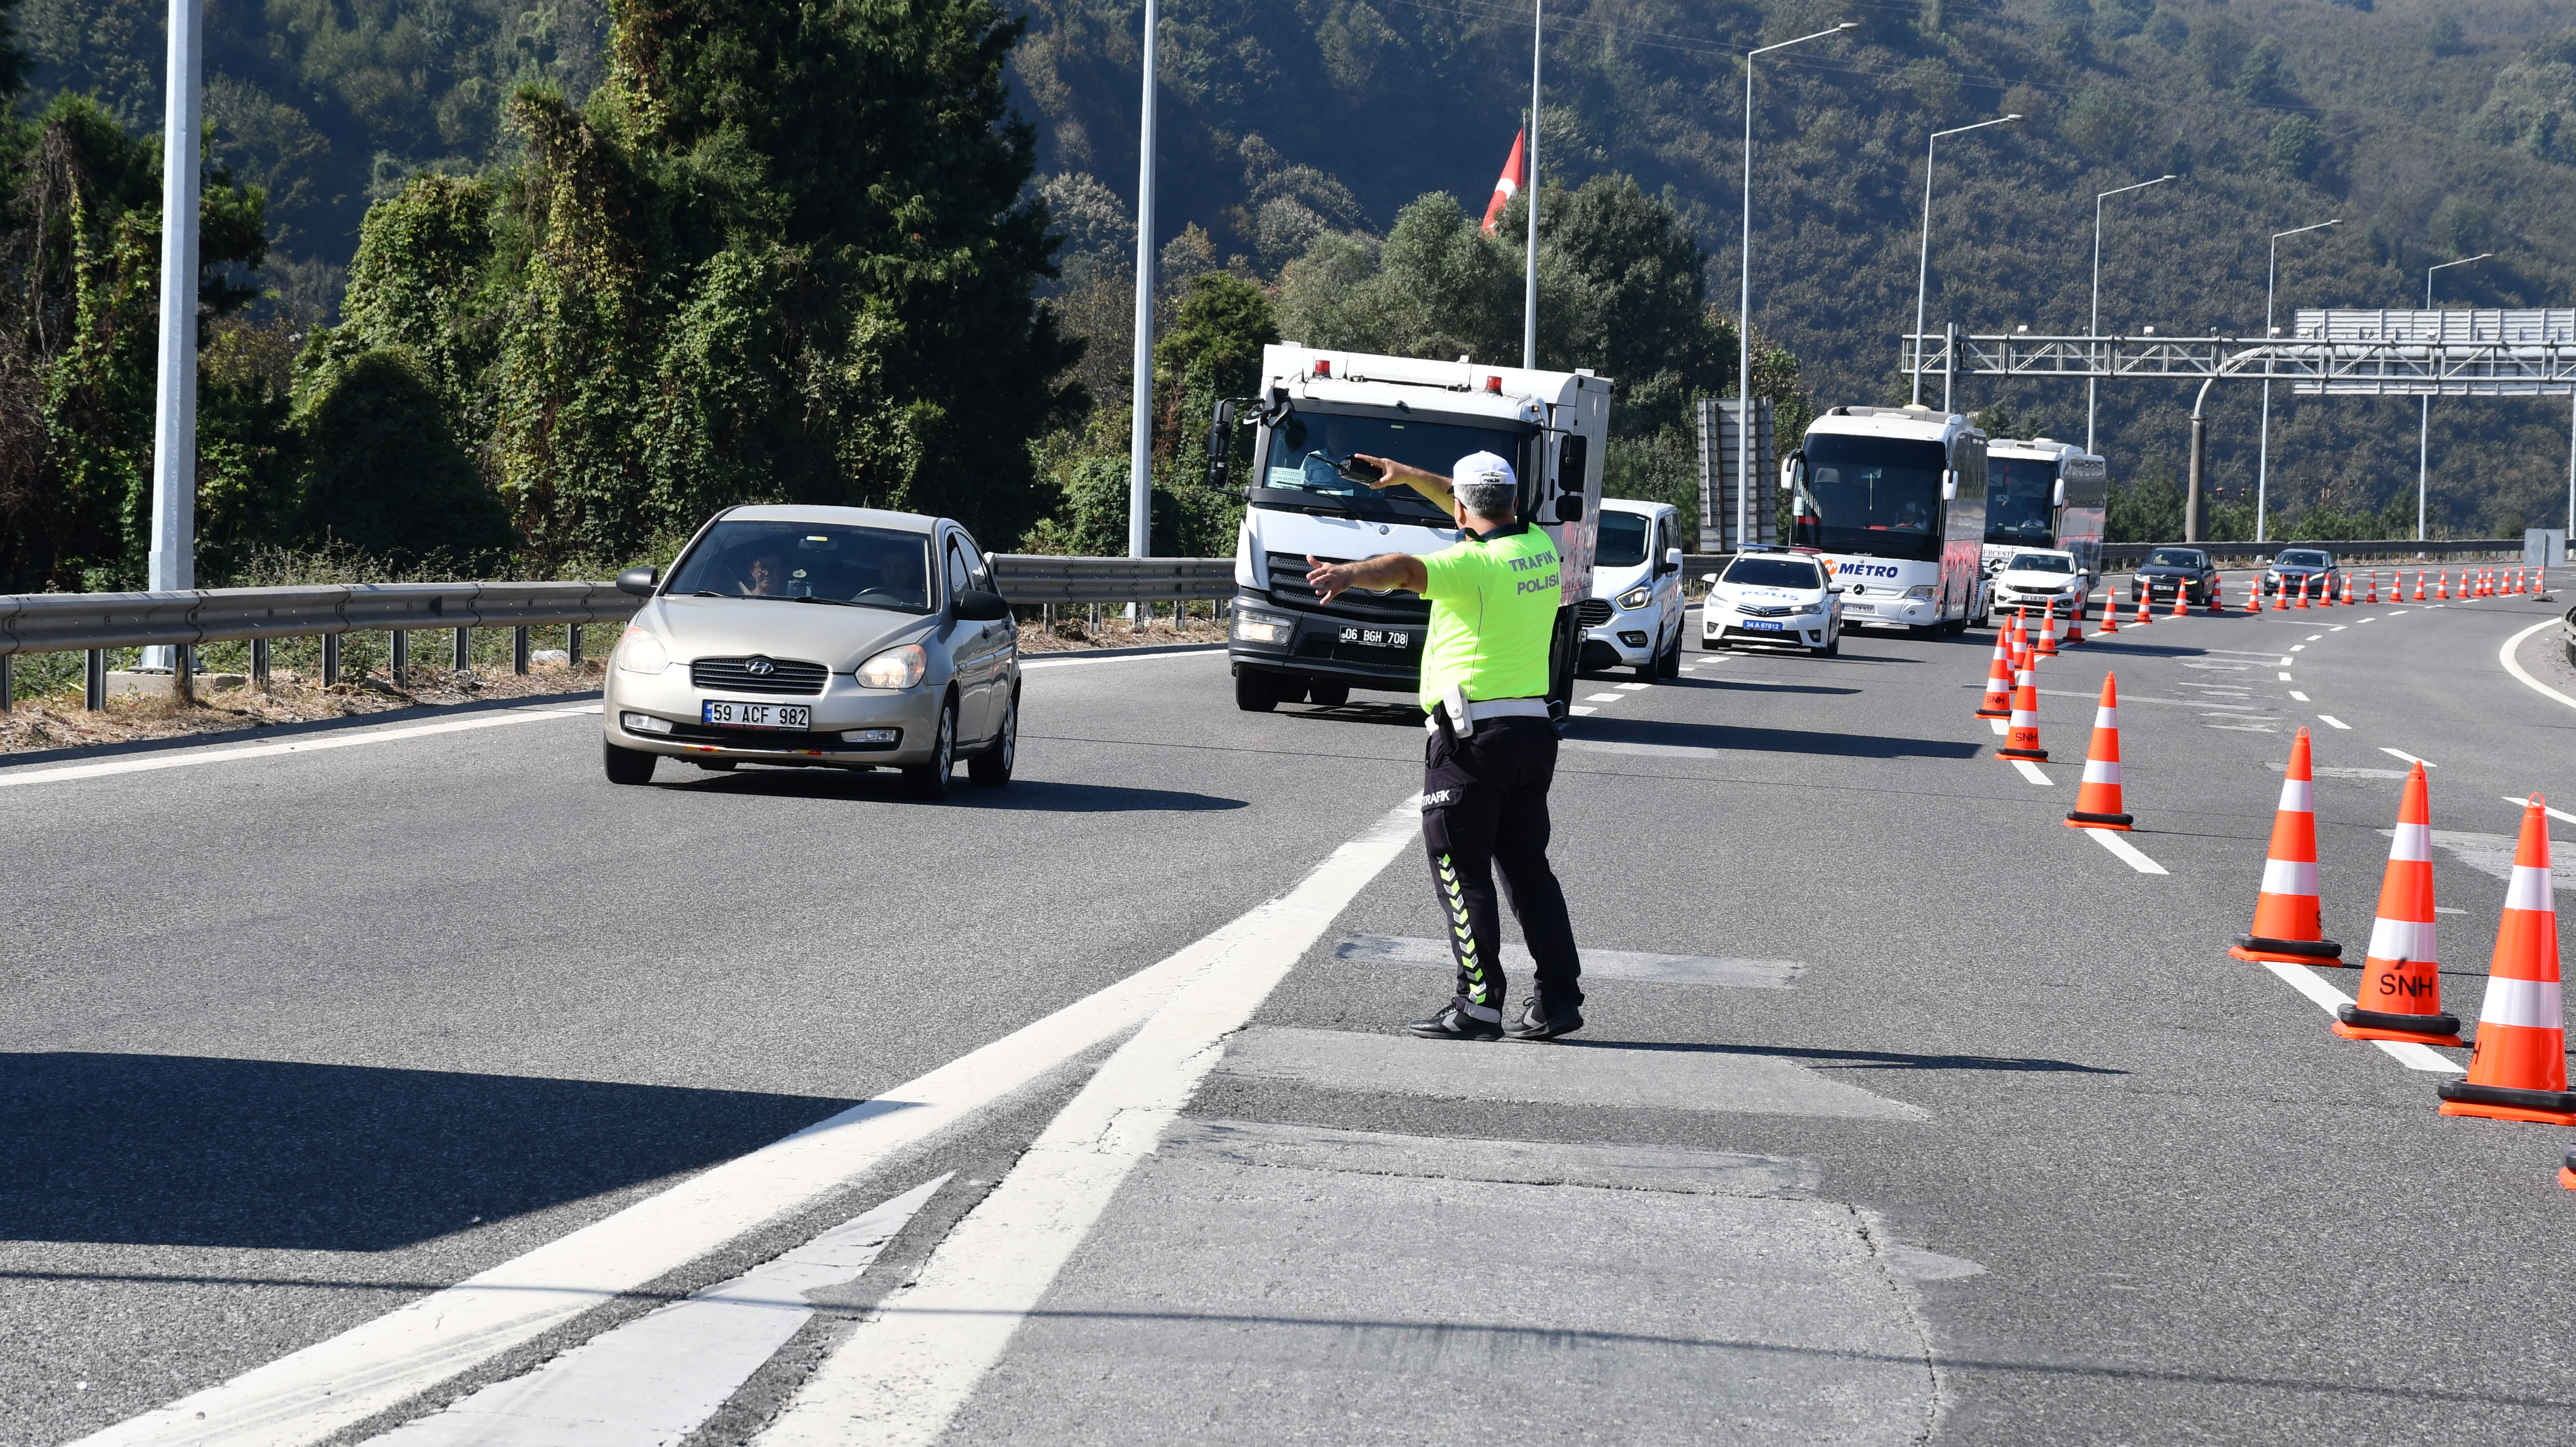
point(780, 675)
point(1288, 586)
point(1592, 612)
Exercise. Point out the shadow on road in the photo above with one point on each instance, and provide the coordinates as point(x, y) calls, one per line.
point(1652, 734)
point(1023, 796)
point(177, 1150)
point(1859, 1059)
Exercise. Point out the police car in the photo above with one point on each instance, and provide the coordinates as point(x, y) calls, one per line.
point(1773, 595)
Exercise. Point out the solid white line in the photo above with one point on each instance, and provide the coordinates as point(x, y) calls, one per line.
point(659, 1377)
point(1213, 650)
point(2298, 696)
point(2328, 998)
point(903, 1373)
point(2559, 814)
point(2504, 656)
point(306, 745)
point(2029, 770)
point(2128, 853)
point(2336, 722)
point(2407, 757)
point(313, 1393)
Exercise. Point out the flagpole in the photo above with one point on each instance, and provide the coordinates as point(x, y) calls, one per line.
point(1529, 186)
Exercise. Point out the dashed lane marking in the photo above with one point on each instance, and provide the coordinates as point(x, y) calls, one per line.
point(2410, 758)
point(2331, 720)
point(2296, 647)
point(306, 745)
point(1603, 697)
point(2328, 998)
point(2298, 697)
point(1632, 687)
point(2285, 678)
point(2559, 814)
point(2030, 771)
point(2000, 726)
point(2504, 655)
point(2128, 853)
point(1580, 709)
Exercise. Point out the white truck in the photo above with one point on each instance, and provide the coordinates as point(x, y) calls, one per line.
point(1894, 500)
point(2045, 494)
point(1318, 406)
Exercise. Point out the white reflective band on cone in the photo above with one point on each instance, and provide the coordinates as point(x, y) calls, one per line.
point(2531, 1004)
point(2101, 771)
point(2298, 796)
point(2414, 843)
point(2289, 876)
point(2399, 939)
point(2105, 718)
point(2529, 889)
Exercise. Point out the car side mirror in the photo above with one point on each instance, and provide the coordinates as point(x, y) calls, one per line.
point(1569, 508)
point(1672, 560)
point(980, 605)
point(639, 581)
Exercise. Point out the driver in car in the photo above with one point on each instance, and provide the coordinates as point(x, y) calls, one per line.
point(899, 573)
point(765, 576)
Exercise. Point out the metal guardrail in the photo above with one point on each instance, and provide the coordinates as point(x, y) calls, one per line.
point(1033, 578)
point(2380, 548)
point(74, 622)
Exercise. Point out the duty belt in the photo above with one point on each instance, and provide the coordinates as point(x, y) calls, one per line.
point(1483, 709)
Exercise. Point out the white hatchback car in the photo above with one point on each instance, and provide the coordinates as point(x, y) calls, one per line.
point(1772, 595)
point(2033, 578)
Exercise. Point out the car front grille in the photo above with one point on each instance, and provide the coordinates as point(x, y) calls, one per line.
point(1755, 610)
point(737, 675)
point(1592, 612)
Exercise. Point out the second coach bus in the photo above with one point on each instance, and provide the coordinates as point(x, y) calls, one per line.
point(1895, 500)
point(2042, 493)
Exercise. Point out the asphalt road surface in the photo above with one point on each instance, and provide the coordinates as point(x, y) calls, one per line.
point(413, 1083)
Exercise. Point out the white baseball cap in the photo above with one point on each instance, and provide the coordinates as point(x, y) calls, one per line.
point(1483, 467)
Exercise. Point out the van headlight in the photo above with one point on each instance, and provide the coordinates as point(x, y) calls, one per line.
point(1637, 597)
point(895, 668)
point(1254, 625)
point(640, 652)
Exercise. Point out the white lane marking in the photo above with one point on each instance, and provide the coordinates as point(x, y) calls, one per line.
point(2366, 620)
point(2504, 656)
point(2409, 758)
point(307, 745)
point(1213, 650)
point(2300, 697)
point(2334, 628)
point(2000, 725)
point(2285, 677)
point(1603, 697)
point(2396, 612)
point(659, 1377)
point(2296, 647)
point(313, 1393)
point(903, 1372)
point(2328, 998)
point(2030, 771)
point(2446, 909)
point(2128, 853)
point(1634, 686)
point(1581, 709)
point(2335, 722)
point(2559, 814)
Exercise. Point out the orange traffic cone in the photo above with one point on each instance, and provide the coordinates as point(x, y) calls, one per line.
point(2181, 608)
point(2097, 799)
point(2518, 1070)
point(2215, 600)
point(2146, 615)
point(2442, 587)
point(2286, 924)
point(2253, 595)
point(2020, 639)
point(2021, 741)
point(2075, 620)
point(2419, 585)
point(2304, 590)
point(2048, 632)
point(2401, 978)
point(2567, 1169)
point(2347, 590)
point(2111, 614)
point(2374, 587)
point(1998, 700)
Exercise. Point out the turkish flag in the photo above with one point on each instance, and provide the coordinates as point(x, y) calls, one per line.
point(1515, 175)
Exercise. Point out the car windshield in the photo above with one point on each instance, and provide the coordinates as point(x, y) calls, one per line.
point(871, 567)
point(1876, 496)
point(1309, 447)
point(2303, 560)
point(1770, 572)
point(2021, 497)
point(2176, 558)
point(1623, 539)
point(2041, 563)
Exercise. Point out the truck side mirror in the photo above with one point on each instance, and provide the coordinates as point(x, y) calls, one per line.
point(1569, 507)
point(639, 581)
point(1220, 444)
point(2058, 498)
point(1949, 484)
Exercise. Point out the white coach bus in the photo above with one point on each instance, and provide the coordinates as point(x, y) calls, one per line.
point(2043, 493)
point(1894, 498)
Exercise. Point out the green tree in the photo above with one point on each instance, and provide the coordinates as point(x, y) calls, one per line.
point(2297, 147)
point(388, 477)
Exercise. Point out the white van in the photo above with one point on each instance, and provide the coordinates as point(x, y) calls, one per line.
point(1634, 616)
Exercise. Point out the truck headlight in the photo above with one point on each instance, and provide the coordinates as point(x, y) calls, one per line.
point(640, 652)
point(1253, 625)
point(1919, 591)
point(895, 668)
point(1637, 597)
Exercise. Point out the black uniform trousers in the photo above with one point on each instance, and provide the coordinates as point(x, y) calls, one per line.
point(1484, 803)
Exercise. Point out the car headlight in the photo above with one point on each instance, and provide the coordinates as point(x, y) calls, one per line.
point(1252, 625)
point(895, 668)
point(1919, 591)
point(1636, 597)
point(640, 652)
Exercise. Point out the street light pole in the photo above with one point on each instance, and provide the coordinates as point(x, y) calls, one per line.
point(1529, 288)
point(1744, 299)
point(2424, 412)
point(1923, 263)
point(1140, 434)
point(2093, 384)
point(172, 563)
point(2263, 447)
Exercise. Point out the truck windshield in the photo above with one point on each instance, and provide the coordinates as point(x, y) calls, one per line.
point(1876, 496)
point(1307, 449)
point(833, 562)
point(2021, 497)
point(1623, 539)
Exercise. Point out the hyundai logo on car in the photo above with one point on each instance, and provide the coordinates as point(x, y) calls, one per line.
point(760, 668)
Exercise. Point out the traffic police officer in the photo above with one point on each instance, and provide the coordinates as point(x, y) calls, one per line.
point(1492, 751)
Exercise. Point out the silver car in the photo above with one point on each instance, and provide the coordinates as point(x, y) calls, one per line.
point(832, 637)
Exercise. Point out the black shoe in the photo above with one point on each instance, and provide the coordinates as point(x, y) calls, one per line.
point(1454, 1023)
point(1532, 1025)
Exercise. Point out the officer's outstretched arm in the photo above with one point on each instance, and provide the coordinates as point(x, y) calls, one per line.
point(1386, 570)
point(1430, 484)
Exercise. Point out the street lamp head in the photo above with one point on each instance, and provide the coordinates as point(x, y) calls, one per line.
point(1848, 25)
